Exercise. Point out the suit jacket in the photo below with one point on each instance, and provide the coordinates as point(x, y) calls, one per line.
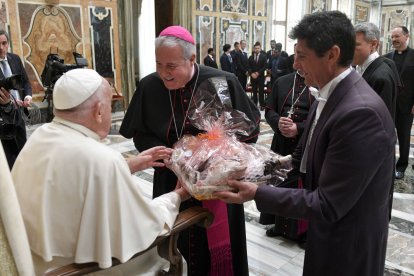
point(348, 183)
point(278, 66)
point(208, 61)
point(405, 99)
point(13, 146)
point(16, 67)
point(269, 54)
point(225, 64)
point(384, 80)
point(259, 66)
point(242, 63)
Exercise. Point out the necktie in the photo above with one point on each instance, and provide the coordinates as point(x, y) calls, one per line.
point(7, 73)
point(6, 69)
point(230, 59)
point(257, 58)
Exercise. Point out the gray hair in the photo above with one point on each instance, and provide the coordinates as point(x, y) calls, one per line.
point(171, 41)
point(370, 31)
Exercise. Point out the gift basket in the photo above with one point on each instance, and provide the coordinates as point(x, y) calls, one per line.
point(204, 163)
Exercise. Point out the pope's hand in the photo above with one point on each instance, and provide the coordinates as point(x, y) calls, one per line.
point(148, 158)
point(181, 191)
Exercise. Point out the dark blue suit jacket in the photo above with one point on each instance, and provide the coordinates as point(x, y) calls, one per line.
point(225, 64)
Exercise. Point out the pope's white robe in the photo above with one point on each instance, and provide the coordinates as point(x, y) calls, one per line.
point(79, 201)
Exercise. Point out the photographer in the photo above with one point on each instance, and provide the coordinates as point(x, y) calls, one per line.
point(12, 127)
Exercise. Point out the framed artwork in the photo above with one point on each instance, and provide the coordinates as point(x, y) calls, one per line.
point(361, 12)
point(318, 5)
point(238, 6)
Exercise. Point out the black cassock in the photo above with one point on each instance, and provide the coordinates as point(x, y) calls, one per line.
point(279, 104)
point(150, 122)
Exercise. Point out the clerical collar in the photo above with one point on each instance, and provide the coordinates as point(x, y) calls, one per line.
point(401, 52)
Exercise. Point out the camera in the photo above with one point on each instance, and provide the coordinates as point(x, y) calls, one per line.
point(14, 82)
point(53, 70)
point(55, 67)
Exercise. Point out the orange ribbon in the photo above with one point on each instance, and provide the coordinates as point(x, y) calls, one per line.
point(209, 136)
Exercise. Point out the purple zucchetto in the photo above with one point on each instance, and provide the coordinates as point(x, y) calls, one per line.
point(178, 32)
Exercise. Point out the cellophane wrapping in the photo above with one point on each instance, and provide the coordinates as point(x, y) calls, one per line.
point(204, 163)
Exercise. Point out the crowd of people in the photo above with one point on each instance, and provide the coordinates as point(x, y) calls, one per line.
point(252, 70)
point(335, 111)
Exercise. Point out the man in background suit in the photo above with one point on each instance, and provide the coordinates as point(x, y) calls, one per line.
point(379, 72)
point(403, 57)
point(226, 61)
point(257, 67)
point(209, 60)
point(276, 63)
point(242, 64)
point(347, 152)
point(11, 65)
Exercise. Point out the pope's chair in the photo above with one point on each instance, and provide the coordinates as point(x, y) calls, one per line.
point(15, 255)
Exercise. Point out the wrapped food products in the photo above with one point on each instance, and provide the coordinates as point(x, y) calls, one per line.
point(205, 163)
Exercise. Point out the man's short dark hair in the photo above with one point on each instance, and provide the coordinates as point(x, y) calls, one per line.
point(257, 44)
point(3, 32)
point(278, 46)
point(236, 44)
point(323, 30)
point(404, 30)
point(226, 47)
point(210, 50)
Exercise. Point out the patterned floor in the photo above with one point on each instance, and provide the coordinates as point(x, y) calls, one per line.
point(278, 256)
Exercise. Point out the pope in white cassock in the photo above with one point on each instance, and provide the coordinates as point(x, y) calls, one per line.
point(78, 198)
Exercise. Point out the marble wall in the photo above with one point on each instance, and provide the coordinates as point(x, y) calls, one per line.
point(38, 28)
point(218, 22)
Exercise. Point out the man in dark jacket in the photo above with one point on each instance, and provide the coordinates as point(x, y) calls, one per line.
point(226, 60)
point(257, 67)
point(403, 57)
point(209, 60)
point(347, 152)
point(242, 64)
point(12, 65)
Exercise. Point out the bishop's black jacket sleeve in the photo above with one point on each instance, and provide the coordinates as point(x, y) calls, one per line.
point(134, 125)
point(241, 102)
point(272, 114)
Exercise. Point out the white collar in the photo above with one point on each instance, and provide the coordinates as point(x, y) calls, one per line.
point(326, 91)
point(77, 127)
point(361, 68)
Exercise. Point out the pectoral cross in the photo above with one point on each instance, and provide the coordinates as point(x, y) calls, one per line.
point(290, 112)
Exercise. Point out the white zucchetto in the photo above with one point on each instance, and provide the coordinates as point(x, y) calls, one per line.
point(74, 87)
